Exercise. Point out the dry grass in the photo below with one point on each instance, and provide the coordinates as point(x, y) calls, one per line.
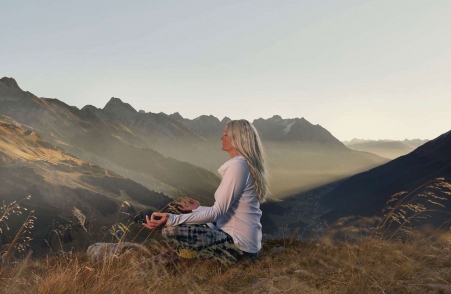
point(368, 266)
point(362, 262)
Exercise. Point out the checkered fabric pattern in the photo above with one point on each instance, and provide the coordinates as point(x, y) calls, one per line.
point(203, 240)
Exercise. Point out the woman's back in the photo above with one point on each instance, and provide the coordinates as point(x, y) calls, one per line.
point(242, 218)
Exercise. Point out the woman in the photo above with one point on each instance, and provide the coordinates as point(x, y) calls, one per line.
point(236, 210)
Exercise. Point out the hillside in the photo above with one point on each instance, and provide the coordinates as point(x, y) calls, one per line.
point(367, 193)
point(57, 182)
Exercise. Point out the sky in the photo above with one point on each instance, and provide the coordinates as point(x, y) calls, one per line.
point(360, 69)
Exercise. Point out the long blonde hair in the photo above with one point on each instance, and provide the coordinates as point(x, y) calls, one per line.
point(246, 141)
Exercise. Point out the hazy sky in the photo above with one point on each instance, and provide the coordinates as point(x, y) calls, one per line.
point(365, 69)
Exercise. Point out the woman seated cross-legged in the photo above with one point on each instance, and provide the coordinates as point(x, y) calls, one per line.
point(236, 210)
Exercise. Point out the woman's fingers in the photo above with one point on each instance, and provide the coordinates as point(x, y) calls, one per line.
point(148, 224)
point(157, 219)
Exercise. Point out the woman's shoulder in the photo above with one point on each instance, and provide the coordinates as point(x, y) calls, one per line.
point(236, 163)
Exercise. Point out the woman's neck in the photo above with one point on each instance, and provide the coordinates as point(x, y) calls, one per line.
point(233, 153)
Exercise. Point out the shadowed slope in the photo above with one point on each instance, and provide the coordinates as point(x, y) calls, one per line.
point(366, 193)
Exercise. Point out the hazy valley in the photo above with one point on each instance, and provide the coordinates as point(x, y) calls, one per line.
point(385, 148)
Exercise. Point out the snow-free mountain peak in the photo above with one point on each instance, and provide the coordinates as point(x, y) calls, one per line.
point(176, 116)
point(294, 129)
point(9, 82)
point(116, 103)
point(225, 120)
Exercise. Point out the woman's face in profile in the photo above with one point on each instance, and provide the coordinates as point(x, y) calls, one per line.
point(226, 145)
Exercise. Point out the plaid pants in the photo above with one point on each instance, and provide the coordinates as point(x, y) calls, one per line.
point(203, 240)
point(196, 237)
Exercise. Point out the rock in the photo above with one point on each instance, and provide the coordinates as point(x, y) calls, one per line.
point(277, 249)
point(99, 251)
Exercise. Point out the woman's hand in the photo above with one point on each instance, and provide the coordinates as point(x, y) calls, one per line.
point(190, 205)
point(157, 219)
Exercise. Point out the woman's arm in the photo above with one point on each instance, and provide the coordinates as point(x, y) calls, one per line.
point(232, 186)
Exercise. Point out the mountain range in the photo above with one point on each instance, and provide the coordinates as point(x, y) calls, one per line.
point(164, 152)
point(104, 137)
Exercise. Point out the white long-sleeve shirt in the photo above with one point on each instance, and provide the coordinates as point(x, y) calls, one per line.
point(236, 210)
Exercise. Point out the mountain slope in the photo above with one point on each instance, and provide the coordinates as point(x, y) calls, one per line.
point(367, 193)
point(58, 182)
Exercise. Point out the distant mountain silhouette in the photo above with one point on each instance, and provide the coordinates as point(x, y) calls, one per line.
point(296, 129)
point(205, 125)
point(272, 129)
point(366, 193)
point(156, 125)
point(414, 143)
